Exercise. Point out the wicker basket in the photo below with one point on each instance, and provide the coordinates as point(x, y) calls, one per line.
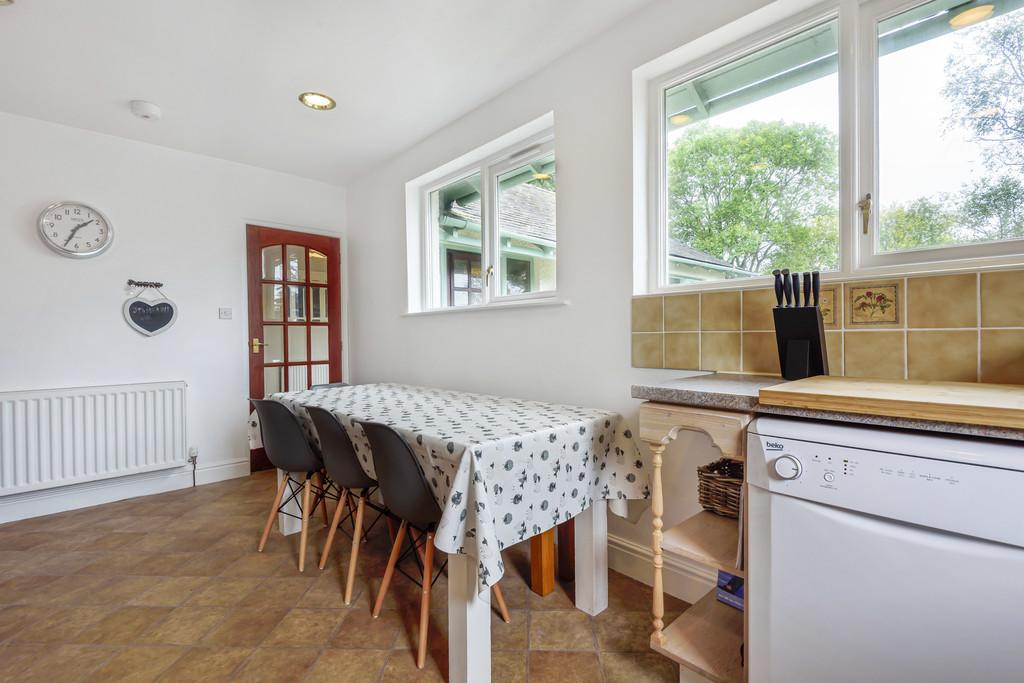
point(718, 487)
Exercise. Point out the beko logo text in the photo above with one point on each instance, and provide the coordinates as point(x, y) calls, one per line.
point(773, 445)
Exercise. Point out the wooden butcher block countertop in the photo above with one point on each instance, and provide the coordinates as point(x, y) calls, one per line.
point(996, 405)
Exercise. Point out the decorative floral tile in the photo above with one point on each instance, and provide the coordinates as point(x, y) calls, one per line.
point(873, 304)
point(827, 304)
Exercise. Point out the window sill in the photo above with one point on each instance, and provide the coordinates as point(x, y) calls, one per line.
point(505, 305)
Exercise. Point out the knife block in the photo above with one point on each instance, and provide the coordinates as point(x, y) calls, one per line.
point(800, 334)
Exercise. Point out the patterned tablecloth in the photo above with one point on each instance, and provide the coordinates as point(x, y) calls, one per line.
point(501, 469)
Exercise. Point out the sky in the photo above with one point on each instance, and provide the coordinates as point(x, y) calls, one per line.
point(918, 156)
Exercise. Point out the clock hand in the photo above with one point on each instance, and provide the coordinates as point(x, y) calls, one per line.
point(76, 229)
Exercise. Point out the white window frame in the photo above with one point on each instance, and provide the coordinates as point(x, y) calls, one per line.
point(858, 144)
point(526, 143)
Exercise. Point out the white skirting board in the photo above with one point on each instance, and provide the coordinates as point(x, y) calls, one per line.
point(75, 496)
point(683, 578)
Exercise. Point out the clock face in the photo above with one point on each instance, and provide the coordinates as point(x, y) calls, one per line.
point(75, 230)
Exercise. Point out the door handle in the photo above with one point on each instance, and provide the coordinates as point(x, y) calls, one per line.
point(257, 345)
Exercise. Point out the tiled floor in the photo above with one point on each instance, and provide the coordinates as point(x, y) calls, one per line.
point(171, 588)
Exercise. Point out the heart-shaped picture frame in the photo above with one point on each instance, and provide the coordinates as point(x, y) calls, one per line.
point(150, 316)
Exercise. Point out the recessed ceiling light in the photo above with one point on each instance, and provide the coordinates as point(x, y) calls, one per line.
point(318, 101)
point(679, 119)
point(972, 16)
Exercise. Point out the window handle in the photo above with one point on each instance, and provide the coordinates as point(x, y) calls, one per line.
point(865, 211)
point(487, 276)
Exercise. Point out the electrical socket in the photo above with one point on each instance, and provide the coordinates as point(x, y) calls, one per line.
point(193, 455)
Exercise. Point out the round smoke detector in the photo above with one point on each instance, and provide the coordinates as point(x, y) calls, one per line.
point(143, 109)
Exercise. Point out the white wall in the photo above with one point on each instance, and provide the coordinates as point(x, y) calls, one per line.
point(578, 353)
point(179, 219)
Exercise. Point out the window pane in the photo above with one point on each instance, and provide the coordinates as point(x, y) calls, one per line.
point(317, 267)
point(298, 377)
point(526, 226)
point(273, 380)
point(318, 304)
point(752, 172)
point(296, 303)
point(321, 374)
point(272, 268)
point(296, 263)
point(273, 338)
point(318, 342)
point(455, 217)
point(273, 302)
point(951, 126)
point(296, 343)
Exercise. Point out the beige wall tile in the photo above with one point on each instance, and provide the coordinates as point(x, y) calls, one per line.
point(720, 311)
point(757, 309)
point(647, 350)
point(682, 312)
point(943, 301)
point(942, 356)
point(1002, 299)
point(831, 304)
point(873, 354)
point(760, 353)
point(682, 350)
point(834, 350)
point(870, 313)
point(720, 351)
point(1002, 356)
point(647, 314)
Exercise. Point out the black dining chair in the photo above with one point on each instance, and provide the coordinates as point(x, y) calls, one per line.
point(289, 450)
point(407, 496)
point(344, 469)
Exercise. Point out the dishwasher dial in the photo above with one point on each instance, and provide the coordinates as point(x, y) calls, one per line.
point(787, 467)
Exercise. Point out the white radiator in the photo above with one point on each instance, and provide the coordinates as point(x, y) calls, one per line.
point(55, 437)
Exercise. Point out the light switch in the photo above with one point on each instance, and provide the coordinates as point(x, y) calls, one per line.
point(224, 313)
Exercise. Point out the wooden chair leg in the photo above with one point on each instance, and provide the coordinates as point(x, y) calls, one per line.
point(386, 581)
point(321, 483)
point(334, 529)
point(354, 557)
point(273, 512)
point(499, 598)
point(428, 573)
point(307, 488)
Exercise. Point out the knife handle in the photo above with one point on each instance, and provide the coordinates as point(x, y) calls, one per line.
point(816, 287)
point(778, 287)
point(807, 289)
point(787, 287)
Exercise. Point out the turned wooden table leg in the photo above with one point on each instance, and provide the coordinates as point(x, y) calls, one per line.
point(542, 563)
point(657, 511)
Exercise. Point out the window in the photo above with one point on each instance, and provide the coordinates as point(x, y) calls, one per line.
point(486, 230)
point(856, 137)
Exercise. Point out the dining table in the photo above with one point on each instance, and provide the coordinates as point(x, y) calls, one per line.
point(503, 470)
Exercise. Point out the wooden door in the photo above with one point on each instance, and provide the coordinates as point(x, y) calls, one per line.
point(294, 313)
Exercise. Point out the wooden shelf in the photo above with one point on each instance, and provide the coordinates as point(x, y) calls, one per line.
point(706, 639)
point(707, 538)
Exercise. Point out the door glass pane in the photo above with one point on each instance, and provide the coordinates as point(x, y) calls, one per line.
point(273, 302)
point(296, 263)
point(950, 125)
point(321, 374)
point(317, 267)
point(318, 304)
point(455, 216)
point(273, 380)
point(752, 163)
point(318, 342)
point(526, 226)
point(297, 378)
point(296, 343)
point(272, 267)
point(273, 339)
point(296, 303)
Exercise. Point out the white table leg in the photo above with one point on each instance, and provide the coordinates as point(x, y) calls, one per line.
point(469, 623)
point(289, 525)
point(592, 559)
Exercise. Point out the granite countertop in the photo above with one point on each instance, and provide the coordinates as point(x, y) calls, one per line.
point(725, 391)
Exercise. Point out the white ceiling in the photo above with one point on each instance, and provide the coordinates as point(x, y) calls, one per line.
point(227, 73)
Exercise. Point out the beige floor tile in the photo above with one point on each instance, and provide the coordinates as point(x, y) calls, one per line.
point(224, 591)
point(511, 636)
point(401, 667)
point(184, 626)
point(282, 591)
point(561, 630)
point(63, 624)
point(169, 591)
point(564, 667)
point(245, 626)
point(638, 667)
point(67, 664)
point(625, 631)
point(16, 618)
point(136, 664)
point(205, 664)
point(360, 630)
point(310, 627)
point(348, 666)
point(122, 626)
point(277, 665)
point(509, 667)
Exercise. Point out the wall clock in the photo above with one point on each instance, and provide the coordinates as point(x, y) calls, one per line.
point(75, 230)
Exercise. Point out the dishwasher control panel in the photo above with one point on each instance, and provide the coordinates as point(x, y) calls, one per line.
point(952, 496)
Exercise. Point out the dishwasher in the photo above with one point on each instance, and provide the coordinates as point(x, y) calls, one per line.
point(883, 555)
